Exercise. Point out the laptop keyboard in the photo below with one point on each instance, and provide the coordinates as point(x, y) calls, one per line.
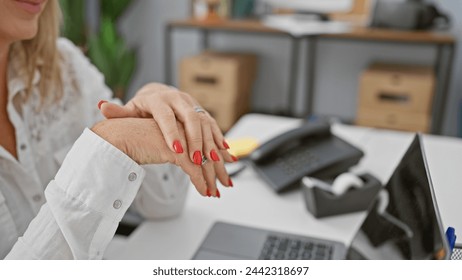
point(282, 248)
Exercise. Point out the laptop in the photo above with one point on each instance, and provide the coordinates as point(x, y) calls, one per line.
point(403, 222)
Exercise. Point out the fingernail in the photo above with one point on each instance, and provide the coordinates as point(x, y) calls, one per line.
point(225, 144)
point(218, 193)
point(177, 147)
point(197, 157)
point(208, 193)
point(214, 156)
point(230, 182)
point(100, 103)
point(234, 158)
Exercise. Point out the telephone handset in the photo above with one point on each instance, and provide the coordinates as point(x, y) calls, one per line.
point(288, 139)
point(309, 150)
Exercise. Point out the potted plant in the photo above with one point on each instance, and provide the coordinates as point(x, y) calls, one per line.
point(106, 48)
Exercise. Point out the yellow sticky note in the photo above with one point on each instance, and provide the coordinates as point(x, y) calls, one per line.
point(241, 147)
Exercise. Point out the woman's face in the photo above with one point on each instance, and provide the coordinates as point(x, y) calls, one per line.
point(19, 19)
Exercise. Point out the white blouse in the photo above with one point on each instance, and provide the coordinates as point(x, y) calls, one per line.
point(65, 195)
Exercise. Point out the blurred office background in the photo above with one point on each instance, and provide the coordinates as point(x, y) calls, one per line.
point(339, 63)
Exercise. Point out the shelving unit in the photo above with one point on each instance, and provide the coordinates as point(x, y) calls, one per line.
point(443, 42)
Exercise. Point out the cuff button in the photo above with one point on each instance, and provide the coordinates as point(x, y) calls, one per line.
point(132, 177)
point(117, 204)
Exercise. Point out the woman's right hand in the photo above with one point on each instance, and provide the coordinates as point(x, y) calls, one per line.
point(142, 140)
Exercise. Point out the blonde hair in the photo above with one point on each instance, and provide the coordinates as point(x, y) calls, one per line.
point(41, 53)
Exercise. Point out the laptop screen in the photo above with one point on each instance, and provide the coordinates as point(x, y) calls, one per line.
point(403, 222)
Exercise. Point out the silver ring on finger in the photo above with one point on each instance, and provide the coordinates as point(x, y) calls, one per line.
point(204, 160)
point(199, 109)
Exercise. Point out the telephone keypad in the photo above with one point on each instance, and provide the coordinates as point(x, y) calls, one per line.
point(296, 159)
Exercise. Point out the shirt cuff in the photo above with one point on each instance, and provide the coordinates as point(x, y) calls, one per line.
point(99, 175)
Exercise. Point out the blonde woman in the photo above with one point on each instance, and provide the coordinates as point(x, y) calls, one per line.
point(66, 179)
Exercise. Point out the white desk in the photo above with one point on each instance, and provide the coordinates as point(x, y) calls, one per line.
point(253, 203)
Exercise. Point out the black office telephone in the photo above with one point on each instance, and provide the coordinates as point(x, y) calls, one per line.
point(310, 150)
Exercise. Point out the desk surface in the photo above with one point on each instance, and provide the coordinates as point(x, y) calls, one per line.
point(253, 203)
point(357, 33)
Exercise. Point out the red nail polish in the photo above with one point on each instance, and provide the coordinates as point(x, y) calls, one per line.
point(218, 193)
point(100, 103)
point(208, 193)
point(230, 182)
point(214, 156)
point(177, 147)
point(197, 157)
point(234, 158)
point(225, 144)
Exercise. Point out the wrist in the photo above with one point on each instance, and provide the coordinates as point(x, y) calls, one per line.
point(106, 131)
point(138, 138)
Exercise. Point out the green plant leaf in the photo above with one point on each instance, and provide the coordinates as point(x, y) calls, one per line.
point(99, 57)
point(108, 31)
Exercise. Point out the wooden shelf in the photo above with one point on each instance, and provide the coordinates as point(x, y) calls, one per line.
point(358, 33)
point(231, 25)
point(442, 41)
point(365, 33)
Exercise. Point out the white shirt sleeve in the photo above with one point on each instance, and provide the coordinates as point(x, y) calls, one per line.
point(85, 202)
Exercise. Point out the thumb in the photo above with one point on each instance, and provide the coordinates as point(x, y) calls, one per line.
point(112, 110)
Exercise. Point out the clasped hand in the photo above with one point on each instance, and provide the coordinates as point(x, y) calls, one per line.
point(161, 125)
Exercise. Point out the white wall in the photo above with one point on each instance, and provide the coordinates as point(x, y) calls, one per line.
point(143, 27)
point(339, 63)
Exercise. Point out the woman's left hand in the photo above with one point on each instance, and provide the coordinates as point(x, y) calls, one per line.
point(142, 140)
point(167, 105)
